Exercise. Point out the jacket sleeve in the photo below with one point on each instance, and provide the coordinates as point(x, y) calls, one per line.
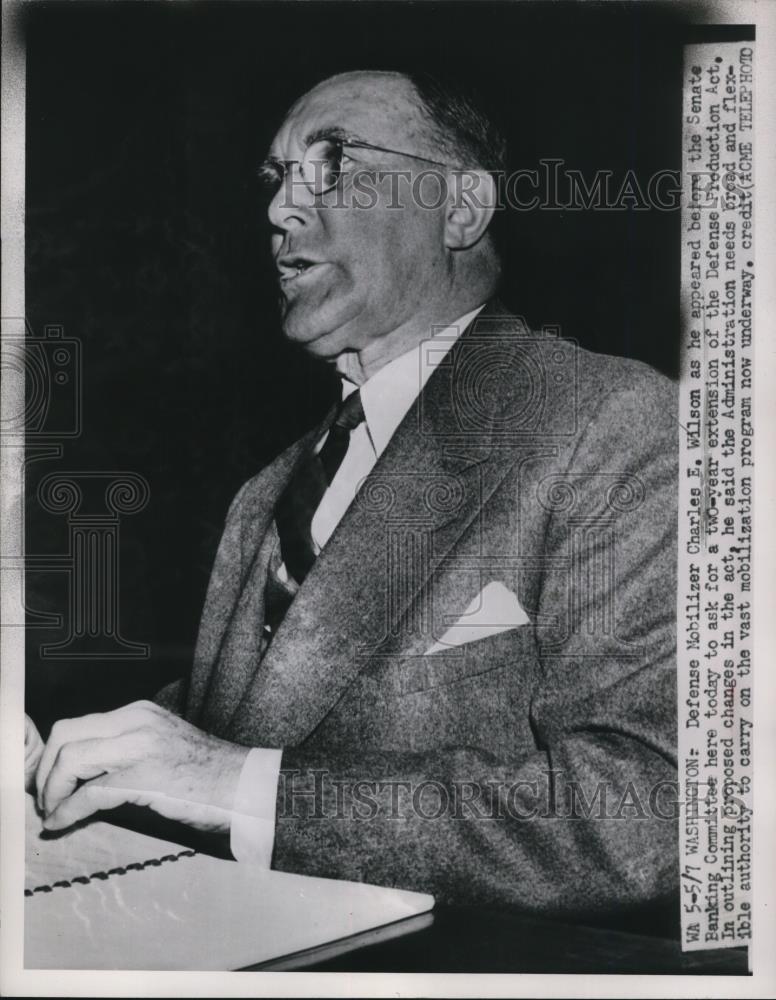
point(223, 583)
point(172, 696)
point(587, 822)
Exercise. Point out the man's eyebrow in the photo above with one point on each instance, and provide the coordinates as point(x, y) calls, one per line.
point(325, 132)
point(330, 132)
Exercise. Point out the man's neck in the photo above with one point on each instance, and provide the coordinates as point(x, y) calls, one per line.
point(359, 366)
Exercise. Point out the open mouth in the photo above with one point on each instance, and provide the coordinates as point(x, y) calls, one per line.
point(293, 268)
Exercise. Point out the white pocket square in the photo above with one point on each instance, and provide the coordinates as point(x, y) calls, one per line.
point(495, 609)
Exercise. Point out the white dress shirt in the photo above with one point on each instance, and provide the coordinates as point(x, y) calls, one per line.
point(386, 397)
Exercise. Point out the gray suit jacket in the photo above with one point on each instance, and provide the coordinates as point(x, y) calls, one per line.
point(534, 766)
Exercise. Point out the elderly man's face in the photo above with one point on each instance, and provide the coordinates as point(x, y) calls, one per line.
point(375, 268)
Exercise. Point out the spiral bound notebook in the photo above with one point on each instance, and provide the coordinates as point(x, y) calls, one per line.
point(102, 897)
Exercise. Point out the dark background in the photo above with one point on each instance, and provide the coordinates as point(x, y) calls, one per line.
point(145, 123)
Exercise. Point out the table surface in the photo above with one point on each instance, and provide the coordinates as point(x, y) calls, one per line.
point(101, 896)
point(491, 940)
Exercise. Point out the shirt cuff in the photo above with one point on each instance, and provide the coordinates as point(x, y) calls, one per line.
point(252, 832)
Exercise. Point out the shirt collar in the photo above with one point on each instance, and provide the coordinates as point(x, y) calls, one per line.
point(391, 391)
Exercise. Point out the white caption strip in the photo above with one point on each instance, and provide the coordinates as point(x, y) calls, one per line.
point(714, 598)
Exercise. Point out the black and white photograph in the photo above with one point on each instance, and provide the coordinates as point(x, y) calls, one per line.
point(382, 396)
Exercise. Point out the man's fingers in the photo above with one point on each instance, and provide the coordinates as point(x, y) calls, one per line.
point(85, 760)
point(33, 750)
point(88, 799)
point(141, 755)
point(68, 731)
point(77, 762)
point(100, 725)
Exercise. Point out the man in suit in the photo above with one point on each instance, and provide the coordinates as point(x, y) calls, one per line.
point(438, 645)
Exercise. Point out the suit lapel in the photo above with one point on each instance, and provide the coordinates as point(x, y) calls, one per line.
point(426, 489)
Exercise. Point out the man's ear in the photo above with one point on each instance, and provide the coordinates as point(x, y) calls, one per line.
point(470, 207)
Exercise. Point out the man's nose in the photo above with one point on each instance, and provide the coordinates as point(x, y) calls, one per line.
point(293, 203)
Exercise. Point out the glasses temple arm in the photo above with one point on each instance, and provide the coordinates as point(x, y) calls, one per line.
point(355, 144)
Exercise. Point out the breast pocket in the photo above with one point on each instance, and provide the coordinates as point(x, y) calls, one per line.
point(400, 676)
point(476, 695)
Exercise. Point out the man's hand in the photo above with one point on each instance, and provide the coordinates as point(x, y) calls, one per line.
point(141, 754)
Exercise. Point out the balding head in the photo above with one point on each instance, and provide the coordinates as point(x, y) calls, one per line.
point(390, 250)
point(381, 105)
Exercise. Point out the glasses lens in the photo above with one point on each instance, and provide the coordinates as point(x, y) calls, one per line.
point(321, 165)
point(270, 179)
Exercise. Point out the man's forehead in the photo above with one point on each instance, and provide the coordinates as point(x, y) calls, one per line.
point(378, 107)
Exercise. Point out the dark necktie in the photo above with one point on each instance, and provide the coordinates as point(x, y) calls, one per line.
point(312, 477)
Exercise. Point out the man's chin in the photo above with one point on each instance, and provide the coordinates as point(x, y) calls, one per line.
point(312, 332)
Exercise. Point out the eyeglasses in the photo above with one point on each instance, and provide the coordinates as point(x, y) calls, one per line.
point(321, 165)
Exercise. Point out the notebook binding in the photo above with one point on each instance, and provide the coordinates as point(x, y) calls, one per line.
point(135, 866)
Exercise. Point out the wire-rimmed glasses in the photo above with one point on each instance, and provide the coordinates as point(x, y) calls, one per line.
point(321, 165)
